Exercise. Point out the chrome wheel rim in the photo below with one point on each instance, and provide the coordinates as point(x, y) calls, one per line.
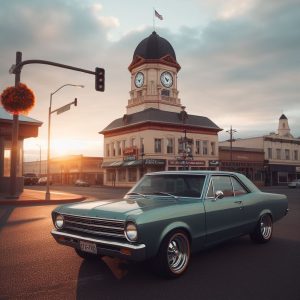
point(178, 253)
point(266, 227)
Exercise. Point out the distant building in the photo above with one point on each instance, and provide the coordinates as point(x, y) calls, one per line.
point(67, 169)
point(28, 128)
point(281, 153)
point(248, 161)
point(156, 133)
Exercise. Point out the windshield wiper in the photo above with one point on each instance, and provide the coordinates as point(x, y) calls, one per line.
point(136, 194)
point(165, 194)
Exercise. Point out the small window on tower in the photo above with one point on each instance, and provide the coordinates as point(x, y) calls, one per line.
point(165, 93)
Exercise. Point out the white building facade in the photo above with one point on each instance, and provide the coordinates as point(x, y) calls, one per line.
point(281, 151)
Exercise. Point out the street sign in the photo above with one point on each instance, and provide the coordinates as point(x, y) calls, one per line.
point(63, 109)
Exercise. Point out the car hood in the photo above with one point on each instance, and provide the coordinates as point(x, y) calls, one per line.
point(117, 208)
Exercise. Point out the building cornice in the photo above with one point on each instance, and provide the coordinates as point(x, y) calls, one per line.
point(159, 127)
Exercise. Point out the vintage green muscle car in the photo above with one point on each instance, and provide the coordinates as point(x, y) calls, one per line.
point(167, 215)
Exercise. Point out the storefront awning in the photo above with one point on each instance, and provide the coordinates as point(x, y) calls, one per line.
point(112, 164)
point(133, 163)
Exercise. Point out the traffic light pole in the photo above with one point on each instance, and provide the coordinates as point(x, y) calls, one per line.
point(16, 69)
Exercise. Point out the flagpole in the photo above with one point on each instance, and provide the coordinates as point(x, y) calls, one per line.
point(153, 19)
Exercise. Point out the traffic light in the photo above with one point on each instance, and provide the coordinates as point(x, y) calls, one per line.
point(75, 102)
point(99, 79)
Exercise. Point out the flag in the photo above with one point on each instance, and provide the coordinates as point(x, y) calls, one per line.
point(158, 15)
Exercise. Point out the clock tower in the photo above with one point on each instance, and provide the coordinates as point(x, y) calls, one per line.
point(154, 71)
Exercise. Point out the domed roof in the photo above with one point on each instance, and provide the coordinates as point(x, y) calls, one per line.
point(154, 47)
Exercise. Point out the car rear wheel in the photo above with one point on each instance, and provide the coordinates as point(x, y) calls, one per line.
point(174, 255)
point(86, 255)
point(263, 230)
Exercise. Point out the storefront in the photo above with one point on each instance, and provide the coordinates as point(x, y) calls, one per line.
point(28, 127)
point(281, 174)
point(126, 173)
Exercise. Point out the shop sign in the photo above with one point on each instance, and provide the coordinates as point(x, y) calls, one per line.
point(156, 162)
point(129, 158)
point(130, 153)
point(192, 163)
point(213, 163)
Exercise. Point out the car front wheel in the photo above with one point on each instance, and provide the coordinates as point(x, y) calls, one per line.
point(263, 230)
point(174, 255)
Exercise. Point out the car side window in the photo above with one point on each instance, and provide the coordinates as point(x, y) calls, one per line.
point(238, 188)
point(223, 183)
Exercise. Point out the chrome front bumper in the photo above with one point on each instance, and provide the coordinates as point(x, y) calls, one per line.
point(110, 248)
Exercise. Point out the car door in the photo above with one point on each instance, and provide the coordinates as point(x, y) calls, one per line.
point(224, 216)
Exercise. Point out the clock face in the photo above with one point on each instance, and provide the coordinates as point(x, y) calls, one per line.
point(166, 79)
point(139, 79)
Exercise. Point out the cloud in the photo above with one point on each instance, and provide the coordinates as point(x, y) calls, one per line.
point(247, 68)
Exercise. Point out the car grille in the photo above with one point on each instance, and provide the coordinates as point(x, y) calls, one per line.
point(95, 226)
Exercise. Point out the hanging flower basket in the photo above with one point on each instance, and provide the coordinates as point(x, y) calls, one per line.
point(17, 100)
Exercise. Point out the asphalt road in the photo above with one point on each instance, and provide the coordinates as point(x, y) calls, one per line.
point(33, 266)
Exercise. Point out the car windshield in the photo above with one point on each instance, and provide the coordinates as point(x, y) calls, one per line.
point(170, 185)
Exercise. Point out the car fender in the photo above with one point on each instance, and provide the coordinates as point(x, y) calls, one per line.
point(265, 212)
point(171, 227)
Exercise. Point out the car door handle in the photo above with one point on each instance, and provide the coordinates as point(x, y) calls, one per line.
point(238, 202)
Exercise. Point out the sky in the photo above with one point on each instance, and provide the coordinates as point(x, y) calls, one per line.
point(240, 62)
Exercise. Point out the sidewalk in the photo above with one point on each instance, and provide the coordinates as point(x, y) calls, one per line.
point(33, 197)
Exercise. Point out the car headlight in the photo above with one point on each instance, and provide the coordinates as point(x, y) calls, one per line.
point(59, 221)
point(131, 232)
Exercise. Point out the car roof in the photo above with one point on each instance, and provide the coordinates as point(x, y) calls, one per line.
point(194, 172)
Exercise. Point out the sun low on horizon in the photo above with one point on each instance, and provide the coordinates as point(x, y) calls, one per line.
point(59, 147)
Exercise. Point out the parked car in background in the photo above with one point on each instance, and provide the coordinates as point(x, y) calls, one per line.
point(294, 184)
point(30, 179)
point(167, 215)
point(80, 182)
point(43, 181)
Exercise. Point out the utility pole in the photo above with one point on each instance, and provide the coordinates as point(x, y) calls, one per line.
point(231, 139)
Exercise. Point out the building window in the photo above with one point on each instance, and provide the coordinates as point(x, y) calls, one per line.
point(113, 146)
point(133, 142)
point(170, 145)
point(198, 148)
point(165, 93)
point(107, 150)
point(142, 146)
point(123, 145)
point(157, 145)
point(278, 153)
point(205, 147)
point(287, 154)
point(270, 153)
point(213, 148)
point(296, 155)
point(119, 150)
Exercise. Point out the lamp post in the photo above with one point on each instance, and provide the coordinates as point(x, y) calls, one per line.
point(40, 162)
point(47, 196)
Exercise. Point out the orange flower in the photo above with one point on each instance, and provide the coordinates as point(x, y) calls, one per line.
point(18, 100)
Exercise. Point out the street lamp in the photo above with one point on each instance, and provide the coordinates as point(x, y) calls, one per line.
point(40, 162)
point(60, 110)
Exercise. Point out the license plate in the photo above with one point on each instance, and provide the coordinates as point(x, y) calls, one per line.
point(88, 247)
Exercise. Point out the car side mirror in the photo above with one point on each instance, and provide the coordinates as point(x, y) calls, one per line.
point(219, 195)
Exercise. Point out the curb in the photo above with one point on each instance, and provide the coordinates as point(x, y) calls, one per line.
point(39, 202)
